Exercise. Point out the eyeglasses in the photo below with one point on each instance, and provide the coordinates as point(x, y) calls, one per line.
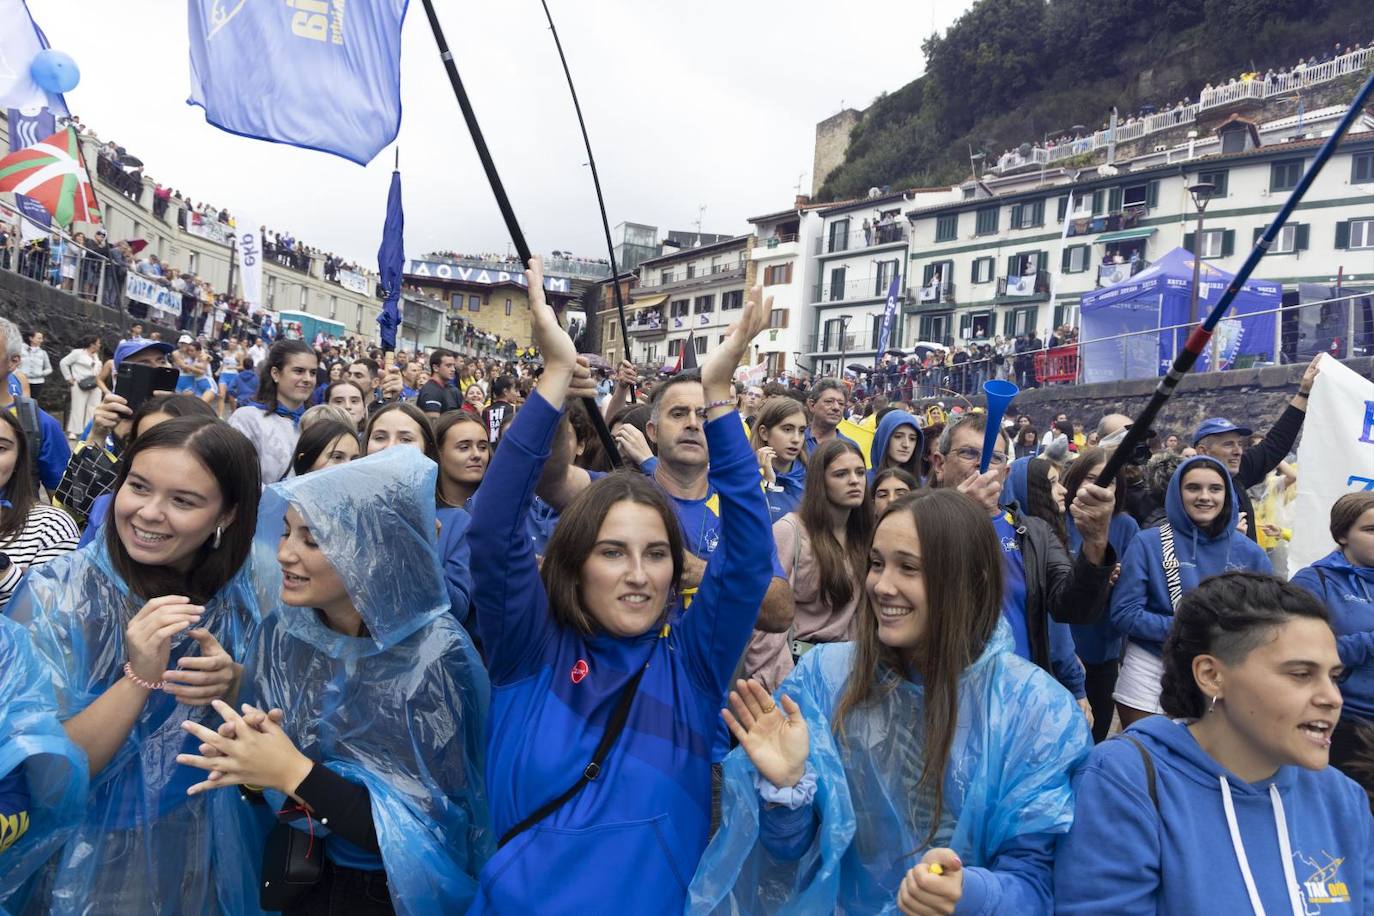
point(968, 453)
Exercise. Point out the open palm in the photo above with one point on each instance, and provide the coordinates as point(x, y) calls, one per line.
point(776, 743)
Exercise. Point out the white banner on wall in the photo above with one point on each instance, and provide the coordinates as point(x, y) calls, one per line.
point(249, 248)
point(1335, 457)
point(166, 301)
point(207, 227)
point(356, 282)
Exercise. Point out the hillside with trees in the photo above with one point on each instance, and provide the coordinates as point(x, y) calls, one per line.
point(1009, 72)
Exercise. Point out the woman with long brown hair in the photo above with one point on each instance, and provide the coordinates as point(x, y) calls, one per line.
point(822, 547)
point(923, 765)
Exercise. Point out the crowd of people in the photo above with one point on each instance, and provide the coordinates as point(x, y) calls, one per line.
point(936, 371)
point(339, 630)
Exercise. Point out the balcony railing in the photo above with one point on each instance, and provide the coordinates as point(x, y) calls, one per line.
point(714, 272)
point(648, 327)
point(858, 239)
point(835, 342)
point(782, 238)
point(1109, 274)
point(1217, 97)
point(936, 293)
point(1028, 287)
point(1128, 217)
point(874, 287)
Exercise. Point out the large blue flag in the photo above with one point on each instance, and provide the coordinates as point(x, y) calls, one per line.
point(391, 263)
point(321, 74)
point(20, 41)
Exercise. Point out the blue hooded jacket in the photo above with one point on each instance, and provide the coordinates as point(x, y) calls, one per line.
point(1127, 856)
point(1100, 642)
point(1141, 609)
point(886, 427)
point(1348, 592)
point(629, 840)
point(401, 710)
point(1067, 670)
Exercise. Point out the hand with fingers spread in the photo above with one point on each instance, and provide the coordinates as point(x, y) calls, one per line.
point(148, 637)
point(777, 744)
point(934, 886)
point(198, 679)
point(259, 754)
point(718, 371)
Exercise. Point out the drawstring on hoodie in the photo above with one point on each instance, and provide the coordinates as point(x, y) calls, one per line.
point(1285, 849)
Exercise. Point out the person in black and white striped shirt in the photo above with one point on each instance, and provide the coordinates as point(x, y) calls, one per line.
point(31, 532)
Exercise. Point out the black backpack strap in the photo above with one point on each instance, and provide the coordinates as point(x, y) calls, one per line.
point(614, 726)
point(1149, 769)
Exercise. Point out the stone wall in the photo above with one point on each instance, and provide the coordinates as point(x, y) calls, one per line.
point(64, 319)
point(1247, 397)
point(832, 143)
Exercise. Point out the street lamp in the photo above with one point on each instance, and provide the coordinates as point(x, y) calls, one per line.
point(844, 342)
point(1202, 195)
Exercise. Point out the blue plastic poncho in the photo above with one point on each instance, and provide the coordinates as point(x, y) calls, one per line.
point(1019, 739)
point(144, 845)
point(402, 710)
point(54, 770)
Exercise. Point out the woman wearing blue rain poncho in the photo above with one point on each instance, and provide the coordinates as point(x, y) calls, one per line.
point(378, 699)
point(138, 632)
point(43, 777)
point(920, 768)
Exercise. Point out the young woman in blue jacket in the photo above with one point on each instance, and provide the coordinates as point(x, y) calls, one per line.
point(1228, 805)
point(779, 440)
point(1202, 515)
point(568, 640)
point(1344, 581)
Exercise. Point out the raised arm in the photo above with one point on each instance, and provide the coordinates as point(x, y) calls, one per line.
point(722, 616)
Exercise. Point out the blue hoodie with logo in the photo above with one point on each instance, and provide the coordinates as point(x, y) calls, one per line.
point(1128, 856)
point(788, 493)
point(888, 425)
point(1141, 608)
point(628, 841)
point(1348, 592)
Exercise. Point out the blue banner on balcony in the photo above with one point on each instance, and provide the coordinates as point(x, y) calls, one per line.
point(889, 313)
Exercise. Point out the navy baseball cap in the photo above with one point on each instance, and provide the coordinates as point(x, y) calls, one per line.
point(129, 348)
point(1215, 426)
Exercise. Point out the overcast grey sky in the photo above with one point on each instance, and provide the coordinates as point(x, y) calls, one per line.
point(710, 103)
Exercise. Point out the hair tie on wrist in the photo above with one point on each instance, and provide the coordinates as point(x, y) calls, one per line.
point(129, 673)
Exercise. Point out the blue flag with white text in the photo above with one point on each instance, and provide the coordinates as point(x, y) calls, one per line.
point(391, 263)
point(319, 74)
point(889, 313)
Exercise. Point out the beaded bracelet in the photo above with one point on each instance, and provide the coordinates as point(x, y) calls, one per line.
point(724, 402)
point(129, 673)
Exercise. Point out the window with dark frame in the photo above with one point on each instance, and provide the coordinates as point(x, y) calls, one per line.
point(1285, 174)
point(947, 227)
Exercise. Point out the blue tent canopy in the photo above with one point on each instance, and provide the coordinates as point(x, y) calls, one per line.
point(1159, 297)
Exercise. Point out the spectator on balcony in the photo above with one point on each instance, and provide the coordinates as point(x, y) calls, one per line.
point(868, 233)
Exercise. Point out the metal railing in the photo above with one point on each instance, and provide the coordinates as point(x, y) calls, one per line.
point(870, 287)
point(714, 270)
point(1342, 326)
point(1170, 118)
point(1107, 274)
point(858, 239)
point(782, 238)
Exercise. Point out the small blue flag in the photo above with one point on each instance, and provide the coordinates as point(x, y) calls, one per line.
point(30, 129)
point(391, 263)
point(319, 74)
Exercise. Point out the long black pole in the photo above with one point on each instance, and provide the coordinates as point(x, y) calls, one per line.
point(1197, 340)
point(596, 182)
point(517, 237)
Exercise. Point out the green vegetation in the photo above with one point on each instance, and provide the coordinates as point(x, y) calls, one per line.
point(1009, 71)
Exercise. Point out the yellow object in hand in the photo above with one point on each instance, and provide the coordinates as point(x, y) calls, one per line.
point(936, 868)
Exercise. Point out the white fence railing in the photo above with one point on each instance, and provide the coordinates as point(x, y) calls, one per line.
point(1216, 97)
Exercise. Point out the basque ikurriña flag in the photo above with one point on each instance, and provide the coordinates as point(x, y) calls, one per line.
point(319, 74)
point(53, 172)
point(391, 263)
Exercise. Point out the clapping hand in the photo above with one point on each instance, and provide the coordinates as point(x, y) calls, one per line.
point(257, 755)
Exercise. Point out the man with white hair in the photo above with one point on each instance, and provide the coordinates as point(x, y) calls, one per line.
point(47, 441)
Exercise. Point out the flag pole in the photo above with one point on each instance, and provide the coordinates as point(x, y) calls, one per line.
point(1197, 340)
point(517, 237)
point(596, 183)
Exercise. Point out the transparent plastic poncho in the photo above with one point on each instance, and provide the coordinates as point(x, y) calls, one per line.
point(401, 710)
point(54, 769)
point(1020, 737)
point(144, 846)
